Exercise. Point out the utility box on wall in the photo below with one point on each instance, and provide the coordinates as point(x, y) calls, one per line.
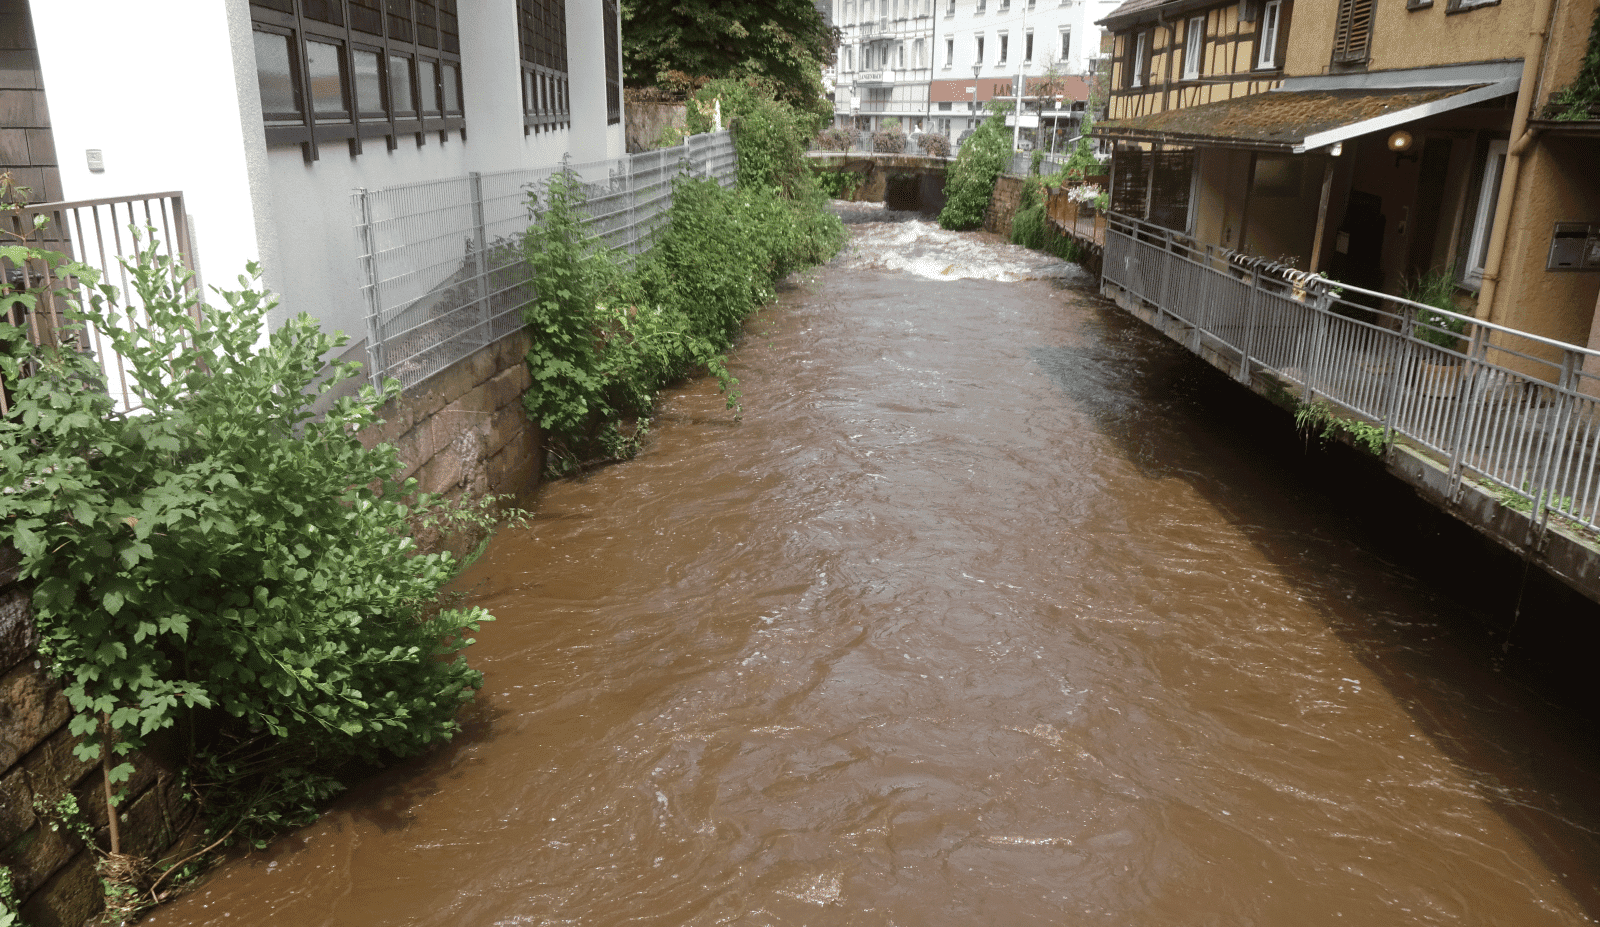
point(1574, 246)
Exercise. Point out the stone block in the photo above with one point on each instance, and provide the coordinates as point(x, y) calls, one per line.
point(10, 563)
point(31, 708)
point(505, 388)
point(38, 854)
point(415, 448)
point(52, 768)
point(442, 473)
point(505, 426)
point(16, 807)
point(453, 382)
point(483, 364)
point(17, 634)
point(70, 897)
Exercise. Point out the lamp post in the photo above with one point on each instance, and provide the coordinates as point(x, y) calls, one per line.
point(1022, 71)
point(976, 68)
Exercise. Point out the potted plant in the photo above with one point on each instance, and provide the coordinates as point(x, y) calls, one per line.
point(1439, 324)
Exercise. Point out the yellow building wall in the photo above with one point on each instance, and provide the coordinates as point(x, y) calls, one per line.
point(1404, 38)
point(1558, 184)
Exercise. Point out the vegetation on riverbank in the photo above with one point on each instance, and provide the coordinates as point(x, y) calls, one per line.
point(606, 340)
point(970, 183)
point(223, 564)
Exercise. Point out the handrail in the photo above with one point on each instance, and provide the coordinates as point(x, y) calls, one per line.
point(1517, 410)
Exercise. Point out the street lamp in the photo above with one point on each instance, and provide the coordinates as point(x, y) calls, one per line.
point(976, 69)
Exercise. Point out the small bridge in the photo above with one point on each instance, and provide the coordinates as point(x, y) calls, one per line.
point(900, 181)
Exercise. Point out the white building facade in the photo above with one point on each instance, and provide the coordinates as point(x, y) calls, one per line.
point(297, 103)
point(976, 50)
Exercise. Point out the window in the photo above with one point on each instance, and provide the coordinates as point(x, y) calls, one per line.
point(978, 58)
point(1140, 60)
point(613, 62)
point(920, 53)
point(900, 54)
point(1066, 45)
point(1005, 5)
point(1027, 47)
point(352, 70)
point(981, 5)
point(1352, 33)
point(1005, 46)
point(1461, 6)
point(950, 9)
point(542, 31)
point(1267, 34)
point(1494, 164)
point(949, 53)
point(1194, 43)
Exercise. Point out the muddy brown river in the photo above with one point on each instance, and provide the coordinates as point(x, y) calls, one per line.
point(990, 609)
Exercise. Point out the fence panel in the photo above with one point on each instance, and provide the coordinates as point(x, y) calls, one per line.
point(443, 260)
point(100, 233)
point(1515, 410)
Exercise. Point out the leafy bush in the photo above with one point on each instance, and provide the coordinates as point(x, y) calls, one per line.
point(839, 185)
point(933, 144)
point(892, 141)
point(970, 183)
point(1437, 289)
point(604, 341)
point(224, 549)
point(836, 138)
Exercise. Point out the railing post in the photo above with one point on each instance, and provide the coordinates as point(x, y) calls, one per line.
point(480, 254)
point(375, 346)
point(1252, 309)
point(1164, 293)
point(1399, 362)
point(1555, 438)
point(1311, 368)
point(1466, 389)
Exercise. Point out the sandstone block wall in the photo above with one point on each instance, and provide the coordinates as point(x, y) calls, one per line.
point(52, 871)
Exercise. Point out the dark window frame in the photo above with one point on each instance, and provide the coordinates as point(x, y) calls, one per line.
point(612, 18)
point(413, 18)
point(546, 85)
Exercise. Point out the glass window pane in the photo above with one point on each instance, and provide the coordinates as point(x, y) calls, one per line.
point(326, 79)
point(401, 96)
point(430, 86)
point(279, 96)
point(368, 79)
point(452, 89)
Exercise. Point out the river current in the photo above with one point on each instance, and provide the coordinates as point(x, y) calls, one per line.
point(987, 609)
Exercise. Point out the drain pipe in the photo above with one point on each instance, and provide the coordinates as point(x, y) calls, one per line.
point(1522, 138)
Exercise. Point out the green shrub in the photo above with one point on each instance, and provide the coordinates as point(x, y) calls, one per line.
point(225, 549)
point(604, 341)
point(970, 183)
point(839, 185)
point(1437, 290)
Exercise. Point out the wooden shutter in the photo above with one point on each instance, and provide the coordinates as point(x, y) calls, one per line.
point(1352, 37)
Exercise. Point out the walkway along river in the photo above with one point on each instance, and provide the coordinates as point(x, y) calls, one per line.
point(991, 609)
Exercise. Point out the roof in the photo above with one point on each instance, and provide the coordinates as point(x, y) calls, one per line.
point(1137, 11)
point(1296, 121)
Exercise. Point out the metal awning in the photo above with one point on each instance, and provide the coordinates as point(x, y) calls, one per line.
point(1294, 121)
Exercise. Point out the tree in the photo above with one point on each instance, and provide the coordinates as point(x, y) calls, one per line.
point(783, 42)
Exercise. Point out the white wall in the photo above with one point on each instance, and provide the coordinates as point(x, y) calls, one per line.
point(159, 94)
point(171, 99)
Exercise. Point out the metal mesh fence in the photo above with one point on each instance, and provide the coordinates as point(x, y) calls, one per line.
point(1514, 410)
point(443, 260)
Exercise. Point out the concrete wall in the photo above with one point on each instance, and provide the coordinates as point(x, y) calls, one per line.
point(1403, 38)
point(174, 104)
point(645, 122)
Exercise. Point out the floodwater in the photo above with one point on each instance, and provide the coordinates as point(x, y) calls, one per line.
point(981, 613)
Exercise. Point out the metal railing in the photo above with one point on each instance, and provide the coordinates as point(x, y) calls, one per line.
point(862, 142)
point(1508, 408)
point(99, 233)
point(443, 262)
